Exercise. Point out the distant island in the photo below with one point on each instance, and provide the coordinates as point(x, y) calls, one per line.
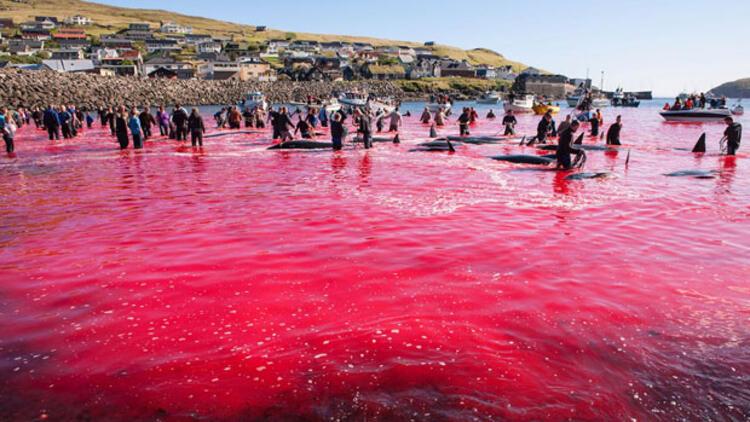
point(737, 89)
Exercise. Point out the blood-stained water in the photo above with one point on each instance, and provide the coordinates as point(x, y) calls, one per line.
point(232, 282)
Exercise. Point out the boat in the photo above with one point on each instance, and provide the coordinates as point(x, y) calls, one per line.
point(353, 99)
point(490, 97)
point(332, 105)
point(356, 100)
point(738, 110)
point(256, 99)
point(600, 103)
point(621, 99)
point(696, 115)
point(541, 109)
point(434, 107)
point(524, 104)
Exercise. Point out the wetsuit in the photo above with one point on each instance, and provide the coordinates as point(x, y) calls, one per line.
point(179, 118)
point(65, 125)
point(111, 120)
point(146, 121)
point(197, 129)
point(281, 125)
point(541, 131)
point(121, 130)
point(564, 149)
point(463, 123)
point(304, 129)
point(594, 125)
point(510, 123)
point(337, 134)
point(613, 134)
point(734, 136)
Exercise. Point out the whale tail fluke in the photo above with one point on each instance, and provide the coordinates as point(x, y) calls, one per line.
point(433, 132)
point(450, 146)
point(700, 146)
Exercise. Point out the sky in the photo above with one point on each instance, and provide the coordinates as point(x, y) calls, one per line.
point(667, 46)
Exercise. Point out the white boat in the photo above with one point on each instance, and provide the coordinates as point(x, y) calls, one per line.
point(600, 103)
point(491, 97)
point(696, 115)
point(738, 110)
point(524, 104)
point(332, 105)
point(256, 99)
point(385, 105)
point(353, 99)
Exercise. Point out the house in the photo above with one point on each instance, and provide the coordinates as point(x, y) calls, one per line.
point(426, 66)
point(173, 28)
point(362, 46)
point(117, 43)
point(276, 46)
point(70, 66)
point(137, 35)
point(367, 56)
point(195, 39)
point(388, 50)
point(208, 47)
point(66, 54)
point(305, 46)
point(162, 73)
point(429, 43)
point(74, 43)
point(34, 25)
point(531, 71)
point(25, 47)
point(457, 69)
point(121, 66)
point(39, 34)
point(139, 26)
point(101, 54)
point(69, 34)
point(383, 72)
point(183, 70)
point(257, 69)
point(260, 28)
point(332, 47)
point(154, 45)
point(78, 20)
point(7, 23)
point(47, 19)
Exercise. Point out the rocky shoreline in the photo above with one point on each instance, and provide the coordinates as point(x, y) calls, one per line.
point(41, 88)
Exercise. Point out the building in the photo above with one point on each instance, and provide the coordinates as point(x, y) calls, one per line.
point(531, 71)
point(74, 43)
point(457, 69)
point(195, 39)
point(260, 29)
point(276, 46)
point(173, 28)
point(250, 68)
point(78, 20)
point(426, 66)
point(305, 46)
point(67, 54)
point(139, 26)
point(7, 23)
point(552, 86)
point(117, 43)
point(69, 34)
point(52, 19)
point(383, 72)
point(208, 47)
point(34, 33)
point(168, 45)
point(25, 47)
point(70, 66)
point(137, 35)
point(183, 70)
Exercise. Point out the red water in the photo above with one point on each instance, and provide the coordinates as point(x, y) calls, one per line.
point(231, 282)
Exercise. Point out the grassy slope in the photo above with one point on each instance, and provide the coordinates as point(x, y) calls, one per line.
point(108, 19)
point(736, 89)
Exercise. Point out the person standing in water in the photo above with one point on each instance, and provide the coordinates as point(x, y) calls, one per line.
point(52, 122)
point(179, 118)
point(365, 129)
point(510, 122)
point(162, 118)
point(395, 117)
point(543, 128)
point(121, 128)
point(134, 123)
point(196, 127)
point(337, 132)
point(613, 134)
point(564, 148)
point(147, 120)
point(463, 122)
point(426, 116)
point(596, 121)
point(564, 125)
point(8, 129)
point(733, 135)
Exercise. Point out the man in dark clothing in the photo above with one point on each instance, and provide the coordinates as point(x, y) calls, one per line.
point(282, 124)
point(337, 132)
point(543, 128)
point(733, 133)
point(147, 120)
point(510, 122)
point(613, 134)
point(594, 124)
point(463, 122)
point(65, 123)
point(121, 127)
point(564, 145)
point(197, 128)
point(52, 123)
point(111, 116)
point(365, 129)
point(180, 120)
point(303, 127)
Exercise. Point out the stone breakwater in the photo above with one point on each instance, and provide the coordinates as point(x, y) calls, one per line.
point(41, 88)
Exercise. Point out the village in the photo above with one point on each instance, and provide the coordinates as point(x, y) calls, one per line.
point(173, 51)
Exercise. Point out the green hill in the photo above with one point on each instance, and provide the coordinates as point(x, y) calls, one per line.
point(109, 19)
point(737, 89)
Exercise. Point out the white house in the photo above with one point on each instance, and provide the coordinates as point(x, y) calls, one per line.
point(65, 66)
point(78, 20)
point(173, 28)
point(209, 47)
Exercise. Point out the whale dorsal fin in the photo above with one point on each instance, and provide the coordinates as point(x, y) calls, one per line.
point(579, 140)
point(700, 146)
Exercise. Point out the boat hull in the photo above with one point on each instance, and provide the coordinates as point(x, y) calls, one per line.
point(695, 116)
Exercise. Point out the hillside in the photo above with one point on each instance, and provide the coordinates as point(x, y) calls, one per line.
point(109, 19)
point(737, 89)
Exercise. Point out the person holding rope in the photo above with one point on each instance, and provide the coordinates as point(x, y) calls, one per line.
point(732, 136)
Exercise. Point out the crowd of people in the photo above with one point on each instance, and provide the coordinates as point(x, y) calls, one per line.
point(695, 101)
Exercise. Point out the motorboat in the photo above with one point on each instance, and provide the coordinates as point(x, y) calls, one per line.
point(522, 104)
point(256, 99)
point(738, 110)
point(353, 99)
point(600, 103)
point(434, 107)
point(620, 99)
point(541, 109)
point(356, 100)
point(697, 115)
point(490, 97)
point(332, 105)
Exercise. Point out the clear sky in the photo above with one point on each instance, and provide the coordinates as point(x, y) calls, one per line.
point(667, 46)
